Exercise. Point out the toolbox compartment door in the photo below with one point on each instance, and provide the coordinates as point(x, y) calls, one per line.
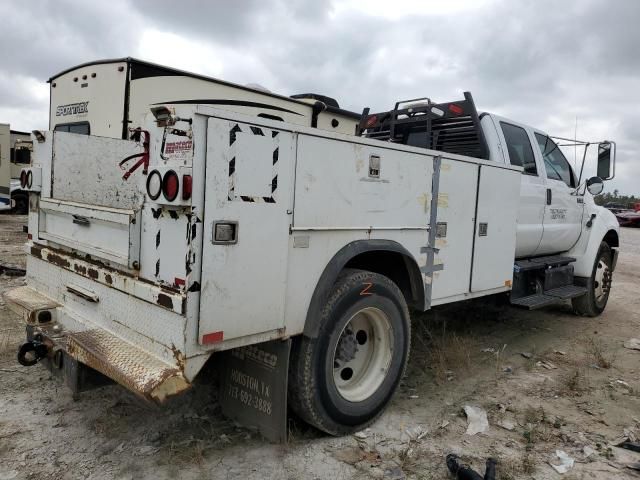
point(107, 233)
point(249, 195)
point(494, 242)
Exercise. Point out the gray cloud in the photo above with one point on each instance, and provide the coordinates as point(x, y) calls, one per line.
point(543, 63)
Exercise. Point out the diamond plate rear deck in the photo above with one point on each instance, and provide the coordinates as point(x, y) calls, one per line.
point(128, 365)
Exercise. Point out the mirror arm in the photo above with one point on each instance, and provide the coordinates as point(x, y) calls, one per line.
point(584, 157)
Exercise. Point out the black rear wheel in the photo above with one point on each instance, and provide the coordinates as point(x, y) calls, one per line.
point(341, 380)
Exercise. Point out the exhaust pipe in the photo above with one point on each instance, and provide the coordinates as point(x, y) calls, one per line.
point(31, 353)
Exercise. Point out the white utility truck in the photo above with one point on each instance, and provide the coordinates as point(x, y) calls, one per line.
point(294, 251)
point(15, 153)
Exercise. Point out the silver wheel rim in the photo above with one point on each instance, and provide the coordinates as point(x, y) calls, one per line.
point(363, 354)
point(602, 281)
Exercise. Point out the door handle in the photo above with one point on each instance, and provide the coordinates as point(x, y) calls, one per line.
point(549, 196)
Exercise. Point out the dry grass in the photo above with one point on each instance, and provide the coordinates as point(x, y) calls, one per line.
point(575, 382)
point(597, 352)
point(537, 426)
point(515, 468)
point(4, 343)
point(449, 354)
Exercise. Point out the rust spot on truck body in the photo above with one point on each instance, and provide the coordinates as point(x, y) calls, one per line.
point(81, 269)
point(58, 260)
point(93, 273)
point(179, 356)
point(108, 278)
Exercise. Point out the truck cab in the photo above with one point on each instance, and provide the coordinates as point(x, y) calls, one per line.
point(559, 226)
point(551, 210)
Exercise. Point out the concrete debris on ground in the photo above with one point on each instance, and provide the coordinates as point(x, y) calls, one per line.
point(589, 453)
point(507, 424)
point(562, 462)
point(546, 364)
point(394, 473)
point(632, 344)
point(477, 420)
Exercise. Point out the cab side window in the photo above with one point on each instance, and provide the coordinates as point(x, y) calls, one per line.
point(555, 163)
point(519, 148)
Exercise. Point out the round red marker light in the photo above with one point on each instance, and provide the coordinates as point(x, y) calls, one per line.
point(170, 185)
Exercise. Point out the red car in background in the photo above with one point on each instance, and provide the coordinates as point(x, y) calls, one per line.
point(629, 218)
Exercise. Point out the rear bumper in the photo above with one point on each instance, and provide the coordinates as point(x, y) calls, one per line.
point(76, 343)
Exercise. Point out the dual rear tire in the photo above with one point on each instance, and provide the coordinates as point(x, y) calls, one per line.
point(341, 380)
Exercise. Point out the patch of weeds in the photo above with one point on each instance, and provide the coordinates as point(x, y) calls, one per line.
point(515, 468)
point(574, 382)
point(4, 343)
point(597, 352)
point(187, 454)
point(536, 426)
point(499, 354)
point(449, 353)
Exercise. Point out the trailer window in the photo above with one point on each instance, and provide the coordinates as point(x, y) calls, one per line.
point(80, 127)
point(519, 148)
point(555, 163)
point(20, 156)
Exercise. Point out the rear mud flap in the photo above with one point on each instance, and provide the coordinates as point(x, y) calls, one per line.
point(254, 387)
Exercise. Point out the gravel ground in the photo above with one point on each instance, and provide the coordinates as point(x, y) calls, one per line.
point(547, 379)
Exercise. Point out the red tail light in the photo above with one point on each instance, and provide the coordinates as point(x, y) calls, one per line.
point(371, 121)
point(23, 179)
point(170, 185)
point(187, 182)
point(455, 109)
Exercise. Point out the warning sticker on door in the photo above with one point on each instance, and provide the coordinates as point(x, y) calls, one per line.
point(178, 150)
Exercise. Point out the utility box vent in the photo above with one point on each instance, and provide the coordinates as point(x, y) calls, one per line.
point(482, 230)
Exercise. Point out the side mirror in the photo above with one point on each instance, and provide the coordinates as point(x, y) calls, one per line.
point(606, 158)
point(595, 185)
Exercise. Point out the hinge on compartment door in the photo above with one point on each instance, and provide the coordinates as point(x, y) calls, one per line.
point(430, 249)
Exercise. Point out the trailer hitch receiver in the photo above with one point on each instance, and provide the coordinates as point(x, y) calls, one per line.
point(31, 353)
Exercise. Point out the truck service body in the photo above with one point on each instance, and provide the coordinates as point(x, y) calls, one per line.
point(274, 240)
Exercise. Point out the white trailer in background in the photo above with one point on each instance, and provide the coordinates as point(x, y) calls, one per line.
point(107, 97)
point(293, 250)
point(15, 154)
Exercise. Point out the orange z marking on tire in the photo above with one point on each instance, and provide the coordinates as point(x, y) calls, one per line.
point(365, 290)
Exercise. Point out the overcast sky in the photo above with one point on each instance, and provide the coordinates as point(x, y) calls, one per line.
point(543, 62)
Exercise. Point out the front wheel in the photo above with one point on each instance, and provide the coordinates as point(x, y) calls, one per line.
point(341, 380)
point(592, 303)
